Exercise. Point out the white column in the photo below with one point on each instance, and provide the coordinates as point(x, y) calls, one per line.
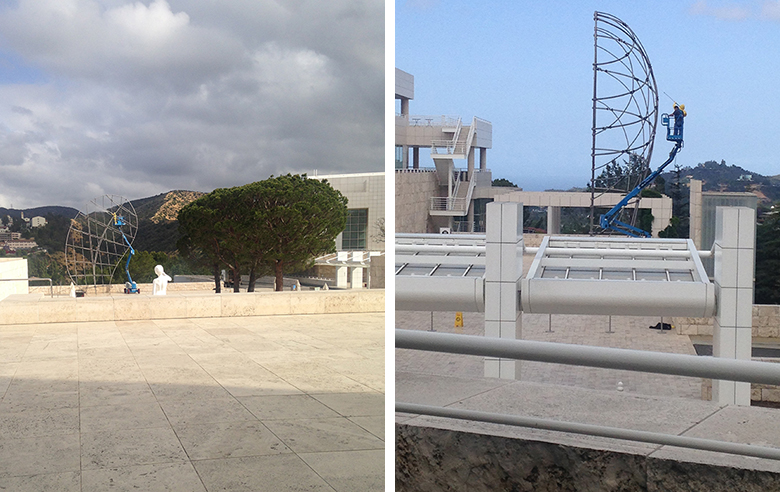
point(356, 279)
point(503, 269)
point(342, 272)
point(735, 236)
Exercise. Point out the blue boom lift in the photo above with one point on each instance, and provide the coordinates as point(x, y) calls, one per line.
point(130, 286)
point(673, 134)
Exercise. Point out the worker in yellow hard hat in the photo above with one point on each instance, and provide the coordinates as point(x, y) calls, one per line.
point(678, 115)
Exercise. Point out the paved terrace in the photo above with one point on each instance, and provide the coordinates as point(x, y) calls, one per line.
point(277, 402)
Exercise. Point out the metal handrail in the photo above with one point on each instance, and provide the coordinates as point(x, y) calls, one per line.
point(590, 356)
point(448, 203)
point(51, 285)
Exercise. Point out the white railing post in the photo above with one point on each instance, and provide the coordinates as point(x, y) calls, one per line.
point(735, 235)
point(503, 269)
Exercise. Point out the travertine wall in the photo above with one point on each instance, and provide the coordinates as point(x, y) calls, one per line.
point(12, 268)
point(413, 191)
point(766, 323)
point(37, 308)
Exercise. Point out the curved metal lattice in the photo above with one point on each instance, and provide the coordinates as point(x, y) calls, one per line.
point(625, 110)
point(95, 246)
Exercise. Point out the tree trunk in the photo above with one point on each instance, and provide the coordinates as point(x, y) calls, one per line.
point(279, 276)
point(236, 280)
point(217, 279)
point(252, 280)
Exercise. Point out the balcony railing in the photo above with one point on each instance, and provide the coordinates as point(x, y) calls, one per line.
point(439, 203)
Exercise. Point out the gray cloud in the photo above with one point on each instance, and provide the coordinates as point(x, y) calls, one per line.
point(140, 98)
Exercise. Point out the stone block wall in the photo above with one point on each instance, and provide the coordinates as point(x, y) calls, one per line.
point(413, 191)
point(37, 308)
point(766, 323)
point(766, 326)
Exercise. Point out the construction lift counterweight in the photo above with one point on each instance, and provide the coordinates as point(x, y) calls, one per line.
point(674, 134)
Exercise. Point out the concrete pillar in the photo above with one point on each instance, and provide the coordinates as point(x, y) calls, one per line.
point(735, 236)
point(405, 157)
point(553, 220)
point(662, 214)
point(503, 270)
point(695, 212)
point(405, 106)
point(470, 217)
point(482, 159)
point(416, 157)
point(471, 162)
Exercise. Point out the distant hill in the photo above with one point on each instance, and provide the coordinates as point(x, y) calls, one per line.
point(165, 206)
point(39, 211)
point(718, 176)
point(158, 229)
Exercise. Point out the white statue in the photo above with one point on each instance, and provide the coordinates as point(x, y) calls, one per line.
point(160, 284)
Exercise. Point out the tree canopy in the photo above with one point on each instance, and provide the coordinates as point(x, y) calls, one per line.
point(279, 224)
point(768, 259)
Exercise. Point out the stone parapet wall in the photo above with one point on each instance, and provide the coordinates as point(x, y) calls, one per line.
point(430, 460)
point(38, 308)
point(173, 287)
point(766, 323)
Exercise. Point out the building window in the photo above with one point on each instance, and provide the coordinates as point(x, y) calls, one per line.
point(399, 157)
point(354, 235)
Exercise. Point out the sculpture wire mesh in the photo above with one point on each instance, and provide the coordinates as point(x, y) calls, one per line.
point(94, 246)
point(625, 108)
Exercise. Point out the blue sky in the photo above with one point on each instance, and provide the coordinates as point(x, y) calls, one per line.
point(527, 68)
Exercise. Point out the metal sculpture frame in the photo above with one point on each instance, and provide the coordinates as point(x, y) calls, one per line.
point(95, 246)
point(625, 119)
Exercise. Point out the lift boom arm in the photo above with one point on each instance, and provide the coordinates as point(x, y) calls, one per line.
point(609, 219)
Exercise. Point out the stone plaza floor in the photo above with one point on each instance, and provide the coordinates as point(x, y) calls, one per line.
point(258, 403)
point(624, 332)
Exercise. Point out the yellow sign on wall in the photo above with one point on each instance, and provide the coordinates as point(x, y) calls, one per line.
point(458, 320)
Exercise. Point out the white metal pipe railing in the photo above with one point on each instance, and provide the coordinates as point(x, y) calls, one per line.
point(593, 430)
point(423, 236)
point(585, 355)
point(31, 279)
point(436, 248)
point(608, 358)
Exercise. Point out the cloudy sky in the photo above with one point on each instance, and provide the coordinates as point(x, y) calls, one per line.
point(527, 68)
point(136, 98)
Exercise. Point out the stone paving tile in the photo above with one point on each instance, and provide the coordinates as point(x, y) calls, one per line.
point(179, 404)
point(349, 470)
point(315, 435)
point(44, 482)
point(229, 440)
point(149, 478)
point(279, 473)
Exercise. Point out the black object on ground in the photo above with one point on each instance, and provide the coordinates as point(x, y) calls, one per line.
point(661, 326)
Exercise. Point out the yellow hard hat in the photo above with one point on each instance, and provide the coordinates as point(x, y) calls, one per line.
point(682, 106)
